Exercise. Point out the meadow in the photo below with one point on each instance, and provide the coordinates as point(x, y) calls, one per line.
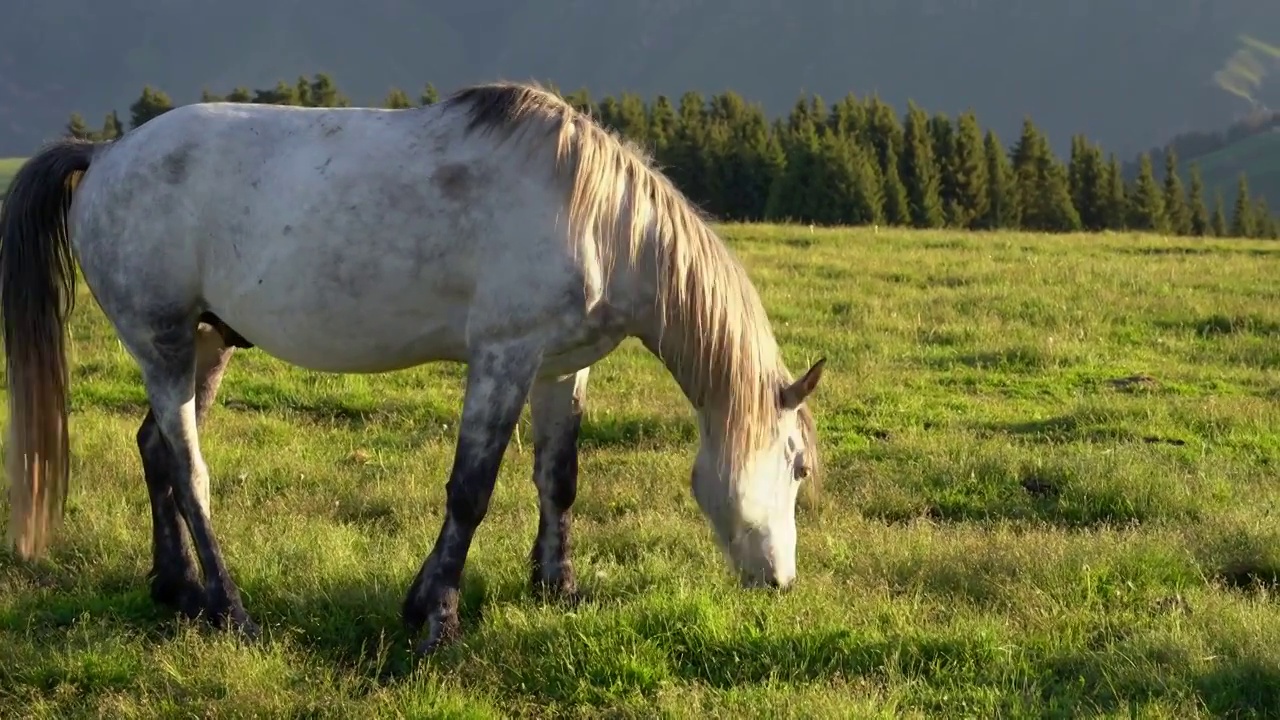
point(8, 167)
point(1050, 490)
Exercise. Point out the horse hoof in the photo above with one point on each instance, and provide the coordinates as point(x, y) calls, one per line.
point(442, 630)
point(561, 593)
point(236, 621)
point(247, 630)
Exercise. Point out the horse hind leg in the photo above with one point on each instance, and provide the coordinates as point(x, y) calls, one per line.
point(174, 578)
point(556, 407)
point(168, 351)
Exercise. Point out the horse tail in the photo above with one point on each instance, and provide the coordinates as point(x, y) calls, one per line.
point(37, 294)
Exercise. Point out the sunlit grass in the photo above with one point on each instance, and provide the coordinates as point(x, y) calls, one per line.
point(1051, 490)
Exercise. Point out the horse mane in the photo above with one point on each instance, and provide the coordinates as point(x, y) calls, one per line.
point(725, 348)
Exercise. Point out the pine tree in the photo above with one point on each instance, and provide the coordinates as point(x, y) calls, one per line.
point(397, 100)
point(1074, 161)
point(1089, 183)
point(662, 127)
point(1146, 203)
point(942, 134)
point(797, 190)
point(633, 119)
point(884, 132)
point(1198, 222)
point(970, 173)
point(1115, 201)
point(1044, 197)
point(209, 97)
point(283, 94)
point(324, 93)
point(1002, 207)
point(1242, 225)
point(833, 182)
point(867, 201)
point(848, 118)
point(1264, 223)
point(897, 205)
point(685, 154)
point(240, 95)
point(1177, 215)
point(429, 96)
point(1218, 222)
point(302, 92)
point(112, 128)
point(920, 171)
point(78, 128)
point(153, 103)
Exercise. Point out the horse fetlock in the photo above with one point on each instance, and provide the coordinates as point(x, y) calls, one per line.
point(228, 613)
point(556, 582)
point(178, 589)
point(431, 610)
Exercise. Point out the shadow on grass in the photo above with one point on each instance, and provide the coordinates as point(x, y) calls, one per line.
point(1085, 426)
point(1243, 560)
point(617, 647)
point(1219, 325)
point(1023, 359)
point(1182, 250)
point(1052, 495)
point(586, 661)
point(612, 431)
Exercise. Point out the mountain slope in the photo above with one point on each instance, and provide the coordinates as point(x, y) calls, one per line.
point(1258, 157)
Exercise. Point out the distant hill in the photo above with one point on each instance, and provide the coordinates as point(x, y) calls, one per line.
point(1258, 157)
point(1127, 73)
point(1251, 145)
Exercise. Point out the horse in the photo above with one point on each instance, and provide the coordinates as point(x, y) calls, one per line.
point(500, 228)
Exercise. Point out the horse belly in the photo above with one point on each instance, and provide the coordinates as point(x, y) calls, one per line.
point(396, 323)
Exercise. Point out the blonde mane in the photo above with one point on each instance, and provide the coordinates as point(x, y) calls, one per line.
point(725, 351)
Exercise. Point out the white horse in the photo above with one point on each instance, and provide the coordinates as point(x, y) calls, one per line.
point(499, 228)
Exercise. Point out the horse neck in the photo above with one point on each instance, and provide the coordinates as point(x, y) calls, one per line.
point(678, 341)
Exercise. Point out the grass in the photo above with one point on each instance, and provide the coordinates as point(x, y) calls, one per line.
point(1051, 492)
point(8, 168)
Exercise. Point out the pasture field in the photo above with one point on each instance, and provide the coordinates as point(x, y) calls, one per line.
point(8, 167)
point(1051, 490)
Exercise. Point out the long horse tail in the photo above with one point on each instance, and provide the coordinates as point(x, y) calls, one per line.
point(37, 294)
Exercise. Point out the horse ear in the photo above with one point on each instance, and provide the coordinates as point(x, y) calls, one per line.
point(795, 393)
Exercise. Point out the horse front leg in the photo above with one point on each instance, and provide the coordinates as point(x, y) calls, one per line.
point(498, 381)
point(556, 406)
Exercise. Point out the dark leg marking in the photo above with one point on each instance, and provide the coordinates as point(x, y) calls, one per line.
point(169, 369)
point(498, 383)
point(556, 408)
point(175, 580)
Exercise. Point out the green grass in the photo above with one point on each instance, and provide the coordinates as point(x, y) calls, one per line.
point(1051, 491)
point(8, 167)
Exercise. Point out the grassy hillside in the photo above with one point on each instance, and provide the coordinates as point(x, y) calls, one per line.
point(1051, 490)
point(8, 166)
point(1258, 157)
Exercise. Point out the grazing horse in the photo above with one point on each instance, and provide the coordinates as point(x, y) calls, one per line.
point(499, 228)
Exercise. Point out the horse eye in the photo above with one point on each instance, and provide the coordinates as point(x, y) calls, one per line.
point(802, 472)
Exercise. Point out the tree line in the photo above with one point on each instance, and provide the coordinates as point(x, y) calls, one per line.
point(855, 162)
